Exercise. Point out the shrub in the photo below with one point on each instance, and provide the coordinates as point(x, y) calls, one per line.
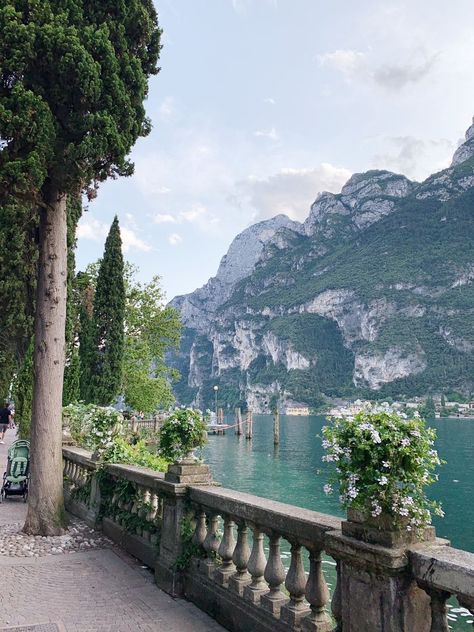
point(137, 454)
point(183, 431)
point(382, 463)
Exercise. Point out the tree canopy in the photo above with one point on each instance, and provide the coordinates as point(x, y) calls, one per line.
point(72, 85)
point(73, 80)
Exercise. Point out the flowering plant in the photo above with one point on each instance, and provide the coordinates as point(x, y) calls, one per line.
point(382, 463)
point(93, 427)
point(183, 431)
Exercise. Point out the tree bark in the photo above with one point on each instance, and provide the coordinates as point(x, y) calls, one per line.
point(46, 514)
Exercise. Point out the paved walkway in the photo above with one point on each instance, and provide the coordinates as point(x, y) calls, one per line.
point(101, 590)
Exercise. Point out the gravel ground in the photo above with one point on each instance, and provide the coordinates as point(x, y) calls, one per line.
point(79, 537)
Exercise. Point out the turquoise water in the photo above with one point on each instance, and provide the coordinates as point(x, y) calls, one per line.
point(293, 472)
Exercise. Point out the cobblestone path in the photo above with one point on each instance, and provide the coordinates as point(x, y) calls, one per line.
point(98, 588)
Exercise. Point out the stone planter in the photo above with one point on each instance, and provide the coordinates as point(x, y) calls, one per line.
point(382, 531)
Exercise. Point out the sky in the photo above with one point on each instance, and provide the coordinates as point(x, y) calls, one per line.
point(262, 104)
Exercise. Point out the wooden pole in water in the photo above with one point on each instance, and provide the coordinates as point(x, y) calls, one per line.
point(238, 421)
point(276, 428)
point(249, 425)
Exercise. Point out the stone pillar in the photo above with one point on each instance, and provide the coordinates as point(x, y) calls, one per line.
point(377, 590)
point(173, 489)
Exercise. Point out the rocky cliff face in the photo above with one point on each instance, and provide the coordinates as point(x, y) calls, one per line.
point(372, 294)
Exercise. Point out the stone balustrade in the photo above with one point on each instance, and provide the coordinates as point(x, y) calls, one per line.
point(444, 572)
point(222, 550)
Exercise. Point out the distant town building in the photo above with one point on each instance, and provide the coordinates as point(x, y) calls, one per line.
point(302, 411)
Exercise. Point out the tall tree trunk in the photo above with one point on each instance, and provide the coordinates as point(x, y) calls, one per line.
point(46, 515)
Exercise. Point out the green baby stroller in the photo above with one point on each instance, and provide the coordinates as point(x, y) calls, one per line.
point(15, 479)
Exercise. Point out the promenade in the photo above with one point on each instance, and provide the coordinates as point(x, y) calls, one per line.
point(80, 582)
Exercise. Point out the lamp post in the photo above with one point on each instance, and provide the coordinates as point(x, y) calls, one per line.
point(216, 388)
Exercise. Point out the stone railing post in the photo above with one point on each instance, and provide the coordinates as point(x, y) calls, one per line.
point(177, 478)
point(375, 589)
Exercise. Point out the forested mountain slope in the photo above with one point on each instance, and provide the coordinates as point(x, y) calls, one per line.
point(372, 295)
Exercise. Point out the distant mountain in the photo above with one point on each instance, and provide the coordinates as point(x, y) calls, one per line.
point(372, 295)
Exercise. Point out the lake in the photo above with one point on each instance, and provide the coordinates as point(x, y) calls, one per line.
point(292, 473)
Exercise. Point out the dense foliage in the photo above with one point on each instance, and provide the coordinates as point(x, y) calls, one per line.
point(108, 323)
point(382, 463)
point(183, 431)
point(151, 328)
point(102, 430)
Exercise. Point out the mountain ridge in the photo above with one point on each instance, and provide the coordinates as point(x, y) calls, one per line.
point(357, 300)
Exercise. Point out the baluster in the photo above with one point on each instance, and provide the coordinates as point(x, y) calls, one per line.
point(336, 603)
point(151, 515)
point(317, 594)
point(295, 609)
point(439, 619)
point(226, 551)
point(211, 545)
point(256, 566)
point(275, 576)
point(241, 578)
point(201, 529)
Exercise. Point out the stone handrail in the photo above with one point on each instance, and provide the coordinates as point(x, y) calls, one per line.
point(442, 573)
point(230, 563)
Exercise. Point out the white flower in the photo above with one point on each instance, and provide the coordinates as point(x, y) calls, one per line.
point(385, 464)
point(376, 437)
point(352, 492)
point(405, 442)
point(383, 480)
point(376, 509)
point(328, 489)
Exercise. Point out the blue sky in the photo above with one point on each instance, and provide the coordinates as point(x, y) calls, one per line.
point(261, 104)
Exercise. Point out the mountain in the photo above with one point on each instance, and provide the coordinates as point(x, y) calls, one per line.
point(372, 296)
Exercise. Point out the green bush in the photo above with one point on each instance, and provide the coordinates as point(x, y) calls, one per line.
point(382, 463)
point(134, 454)
point(183, 431)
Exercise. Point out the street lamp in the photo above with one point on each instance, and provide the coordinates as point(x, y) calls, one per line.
point(216, 388)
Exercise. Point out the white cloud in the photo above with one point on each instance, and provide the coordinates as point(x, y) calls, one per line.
point(92, 229)
point(164, 218)
point(411, 67)
point(271, 134)
point(269, 100)
point(290, 191)
point(130, 241)
point(349, 62)
point(174, 239)
point(198, 214)
point(414, 157)
point(396, 76)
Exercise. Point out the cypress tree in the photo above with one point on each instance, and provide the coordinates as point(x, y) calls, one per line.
point(108, 319)
point(73, 76)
